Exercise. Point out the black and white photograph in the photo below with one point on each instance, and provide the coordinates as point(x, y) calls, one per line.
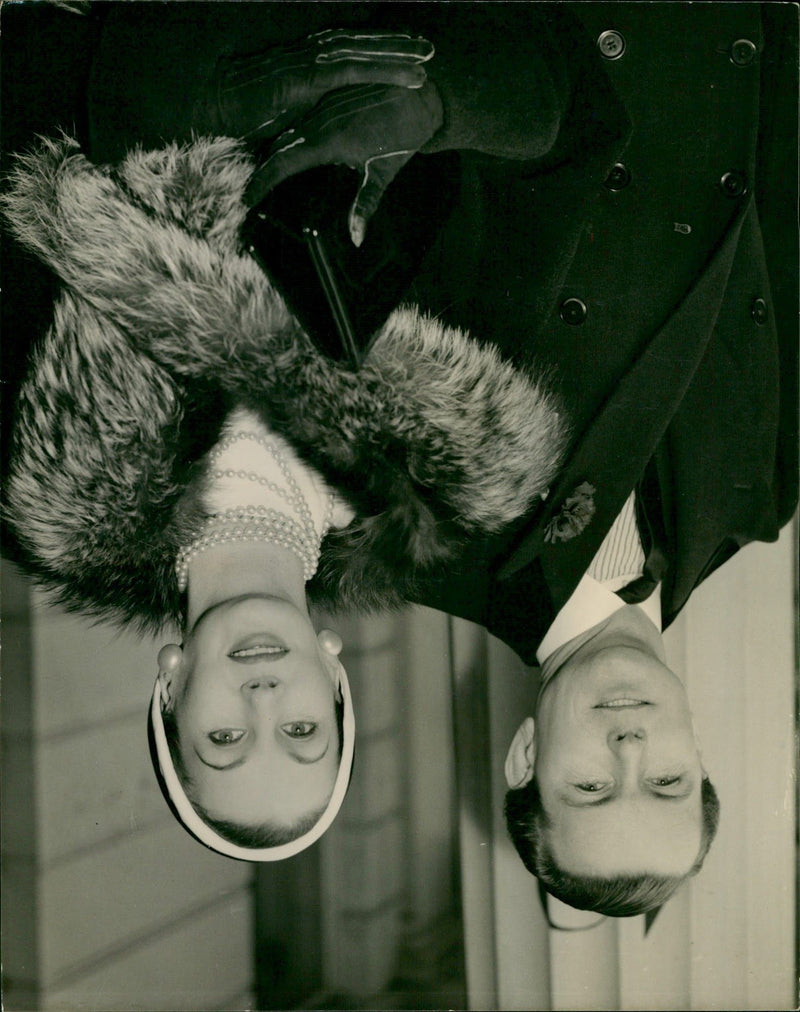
point(399, 579)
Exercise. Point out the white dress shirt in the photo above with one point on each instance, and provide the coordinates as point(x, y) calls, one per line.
point(618, 561)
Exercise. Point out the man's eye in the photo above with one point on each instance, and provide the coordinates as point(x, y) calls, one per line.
point(299, 729)
point(226, 736)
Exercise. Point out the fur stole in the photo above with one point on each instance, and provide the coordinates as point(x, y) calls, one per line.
point(164, 323)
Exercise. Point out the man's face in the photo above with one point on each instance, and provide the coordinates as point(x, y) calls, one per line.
point(618, 767)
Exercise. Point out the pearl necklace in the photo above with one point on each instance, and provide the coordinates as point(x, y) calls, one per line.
point(260, 523)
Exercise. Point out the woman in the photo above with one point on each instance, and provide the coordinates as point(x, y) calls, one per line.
point(184, 454)
point(254, 702)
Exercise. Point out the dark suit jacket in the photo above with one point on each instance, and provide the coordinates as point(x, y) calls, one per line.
point(687, 354)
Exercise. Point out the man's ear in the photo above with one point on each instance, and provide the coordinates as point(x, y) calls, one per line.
point(521, 755)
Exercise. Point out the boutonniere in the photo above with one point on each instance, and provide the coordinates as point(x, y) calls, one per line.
point(573, 517)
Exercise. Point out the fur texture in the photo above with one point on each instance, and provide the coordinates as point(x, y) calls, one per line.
point(163, 322)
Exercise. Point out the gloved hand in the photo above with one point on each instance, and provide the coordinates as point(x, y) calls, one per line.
point(258, 96)
point(372, 128)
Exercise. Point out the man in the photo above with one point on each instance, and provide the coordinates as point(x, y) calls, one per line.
point(612, 746)
point(705, 436)
point(648, 258)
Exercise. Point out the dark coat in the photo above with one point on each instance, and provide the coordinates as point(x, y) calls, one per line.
point(610, 252)
point(687, 354)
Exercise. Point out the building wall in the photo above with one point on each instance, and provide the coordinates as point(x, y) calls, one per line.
point(390, 903)
point(108, 903)
point(727, 939)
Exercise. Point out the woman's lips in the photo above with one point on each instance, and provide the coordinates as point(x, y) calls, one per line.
point(261, 640)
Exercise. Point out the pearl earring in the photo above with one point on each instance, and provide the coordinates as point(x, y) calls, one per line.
point(169, 658)
point(330, 641)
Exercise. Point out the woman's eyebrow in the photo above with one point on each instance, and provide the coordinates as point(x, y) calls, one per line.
point(227, 766)
point(300, 758)
point(297, 756)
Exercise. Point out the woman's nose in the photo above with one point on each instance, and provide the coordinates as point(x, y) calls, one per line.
point(255, 684)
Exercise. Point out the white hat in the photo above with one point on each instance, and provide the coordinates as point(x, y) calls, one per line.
point(183, 808)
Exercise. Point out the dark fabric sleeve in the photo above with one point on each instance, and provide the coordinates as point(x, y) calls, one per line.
point(502, 68)
point(777, 201)
point(504, 81)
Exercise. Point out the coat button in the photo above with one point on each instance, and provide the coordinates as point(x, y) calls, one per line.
point(743, 52)
point(611, 44)
point(619, 177)
point(733, 184)
point(758, 310)
point(572, 311)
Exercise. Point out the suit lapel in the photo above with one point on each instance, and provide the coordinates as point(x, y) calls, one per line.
point(615, 449)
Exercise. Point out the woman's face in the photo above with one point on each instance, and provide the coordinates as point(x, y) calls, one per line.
point(254, 704)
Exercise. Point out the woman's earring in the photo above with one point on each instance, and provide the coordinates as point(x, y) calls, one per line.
point(330, 641)
point(170, 658)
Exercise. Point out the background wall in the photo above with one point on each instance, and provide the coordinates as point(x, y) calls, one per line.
point(727, 939)
point(109, 904)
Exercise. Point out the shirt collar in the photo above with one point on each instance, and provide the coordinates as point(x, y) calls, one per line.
point(590, 604)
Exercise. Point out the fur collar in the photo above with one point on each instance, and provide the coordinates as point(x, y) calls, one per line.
point(164, 323)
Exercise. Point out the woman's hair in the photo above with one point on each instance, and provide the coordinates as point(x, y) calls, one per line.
point(268, 834)
point(618, 896)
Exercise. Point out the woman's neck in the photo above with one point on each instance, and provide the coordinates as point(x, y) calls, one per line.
point(234, 569)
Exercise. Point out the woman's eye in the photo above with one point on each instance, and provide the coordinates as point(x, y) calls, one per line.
point(665, 781)
point(299, 729)
point(590, 787)
point(226, 736)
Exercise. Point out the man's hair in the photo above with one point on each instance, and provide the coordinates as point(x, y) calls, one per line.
point(267, 834)
point(618, 896)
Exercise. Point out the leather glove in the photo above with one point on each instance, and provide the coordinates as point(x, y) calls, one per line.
point(259, 96)
point(371, 128)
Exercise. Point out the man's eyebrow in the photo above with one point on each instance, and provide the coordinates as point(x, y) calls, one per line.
point(298, 758)
point(589, 803)
point(677, 796)
point(572, 803)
